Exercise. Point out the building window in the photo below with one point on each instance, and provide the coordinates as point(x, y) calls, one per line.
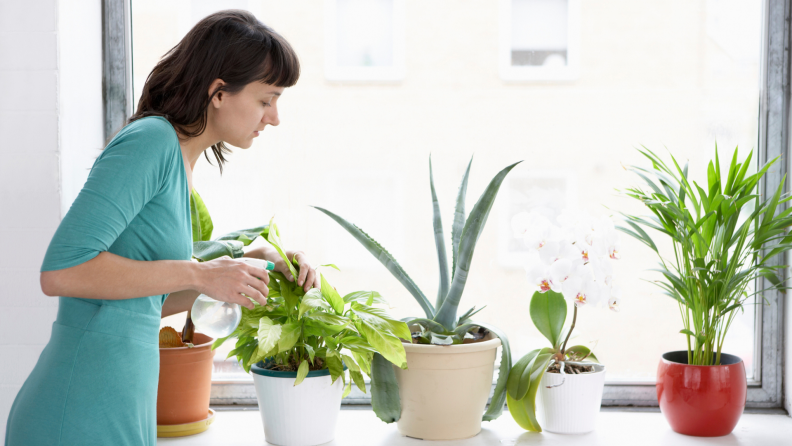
point(364, 40)
point(539, 39)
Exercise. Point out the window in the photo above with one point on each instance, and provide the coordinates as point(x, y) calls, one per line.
point(682, 75)
point(540, 39)
point(364, 40)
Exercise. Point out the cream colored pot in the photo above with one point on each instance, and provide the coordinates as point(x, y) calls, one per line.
point(444, 390)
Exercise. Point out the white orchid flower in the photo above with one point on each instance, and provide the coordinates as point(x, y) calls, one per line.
point(561, 270)
point(581, 290)
point(615, 299)
point(539, 275)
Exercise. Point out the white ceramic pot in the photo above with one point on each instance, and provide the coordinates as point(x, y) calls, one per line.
point(303, 415)
point(445, 389)
point(571, 408)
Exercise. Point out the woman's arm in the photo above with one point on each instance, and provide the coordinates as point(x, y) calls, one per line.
point(179, 302)
point(109, 276)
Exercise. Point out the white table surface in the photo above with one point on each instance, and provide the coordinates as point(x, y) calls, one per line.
point(363, 428)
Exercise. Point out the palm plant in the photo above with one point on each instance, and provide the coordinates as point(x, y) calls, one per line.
point(441, 325)
point(723, 238)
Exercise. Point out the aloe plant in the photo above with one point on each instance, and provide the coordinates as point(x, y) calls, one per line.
point(441, 324)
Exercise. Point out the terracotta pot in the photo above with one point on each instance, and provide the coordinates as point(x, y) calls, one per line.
point(701, 400)
point(185, 381)
point(444, 390)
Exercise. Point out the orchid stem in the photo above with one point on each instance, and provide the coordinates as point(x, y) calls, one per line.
point(572, 327)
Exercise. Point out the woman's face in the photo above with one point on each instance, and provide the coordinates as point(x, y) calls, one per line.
point(239, 117)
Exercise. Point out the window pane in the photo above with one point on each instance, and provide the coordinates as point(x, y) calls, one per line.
point(539, 32)
point(365, 33)
point(681, 75)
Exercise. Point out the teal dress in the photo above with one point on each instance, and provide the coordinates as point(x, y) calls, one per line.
point(95, 383)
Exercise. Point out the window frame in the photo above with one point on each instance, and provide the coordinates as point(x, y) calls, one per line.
point(333, 72)
point(509, 72)
point(764, 391)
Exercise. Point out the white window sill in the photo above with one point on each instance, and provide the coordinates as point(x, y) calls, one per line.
point(615, 428)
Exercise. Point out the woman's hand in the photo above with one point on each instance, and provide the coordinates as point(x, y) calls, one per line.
point(307, 276)
point(226, 279)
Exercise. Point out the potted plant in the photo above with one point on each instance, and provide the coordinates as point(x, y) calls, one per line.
point(724, 238)
point(568, 263)
point(451, 358)
point(300, 344)
point(186, 357)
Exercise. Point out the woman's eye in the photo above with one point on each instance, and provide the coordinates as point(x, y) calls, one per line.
point(266, 104)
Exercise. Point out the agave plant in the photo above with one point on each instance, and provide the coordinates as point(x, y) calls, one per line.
point(441, 324)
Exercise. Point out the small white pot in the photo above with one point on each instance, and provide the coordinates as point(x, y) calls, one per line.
point(304, 415)
point(571, 408)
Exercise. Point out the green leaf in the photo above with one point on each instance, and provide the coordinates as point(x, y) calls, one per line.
point(377, 317)
point(310, 351)
point(358, 378)
point(333, 361)
point(427, 324)
point(386, 259)
point(290, 334)
point(364, 360)
point(213, 249)
point(328, 318)
point(499, 394)
point(246, 236)
point(313, 299)
point(437, 223)
point(447, 314)
point(268, 335)
point(365, 297)
point(459, 218)
point(347, 389)
point(514, 386)
point(302, 372)
point(350, 363)
point(579, 353)
point(357, 344)
point(699, 337)
point(386, 344)
point(548, 313)
point(273, 237)
point(332, 296)
point(524, 411)
point(200, 219)
point(385, 399)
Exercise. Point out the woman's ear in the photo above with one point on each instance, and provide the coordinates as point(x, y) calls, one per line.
point(216, 98)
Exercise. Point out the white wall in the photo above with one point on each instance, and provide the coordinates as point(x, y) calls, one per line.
point(50, 70)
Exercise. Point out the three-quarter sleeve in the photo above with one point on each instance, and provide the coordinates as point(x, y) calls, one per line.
point(128, 174)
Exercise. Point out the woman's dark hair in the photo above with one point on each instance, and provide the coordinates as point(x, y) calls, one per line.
point(231, 45)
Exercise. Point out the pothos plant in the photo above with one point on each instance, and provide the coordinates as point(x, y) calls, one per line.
point(320, 329)
point(205, 249)
point(441, 324)
point(573, 263)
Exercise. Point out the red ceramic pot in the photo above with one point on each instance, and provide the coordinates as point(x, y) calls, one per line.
point(701, 400)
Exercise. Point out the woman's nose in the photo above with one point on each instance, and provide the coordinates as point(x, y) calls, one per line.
point(271, 118)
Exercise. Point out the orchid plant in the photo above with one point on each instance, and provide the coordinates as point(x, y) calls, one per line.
point(573, 263)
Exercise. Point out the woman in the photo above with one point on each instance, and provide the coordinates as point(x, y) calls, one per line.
point(128, 235)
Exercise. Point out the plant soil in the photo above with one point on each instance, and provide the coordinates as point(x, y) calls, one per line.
point(478, 336)
point(292, 366)
point(570, 369)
